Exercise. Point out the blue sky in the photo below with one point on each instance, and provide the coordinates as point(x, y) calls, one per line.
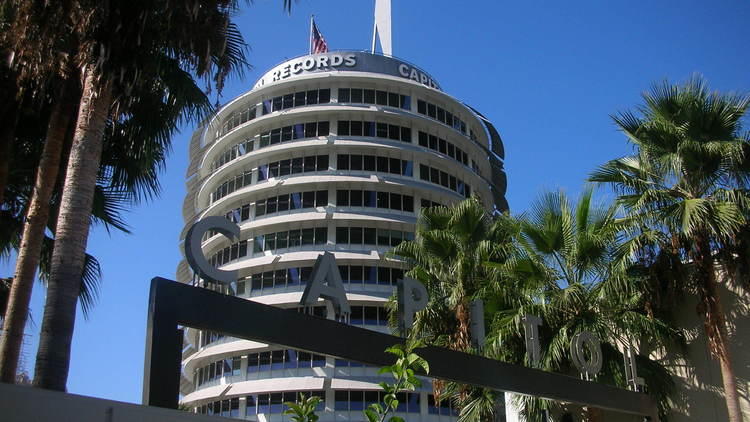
point(548, 74)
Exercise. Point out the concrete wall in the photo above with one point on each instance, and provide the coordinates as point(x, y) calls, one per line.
point(27, 404)
point(700, 393)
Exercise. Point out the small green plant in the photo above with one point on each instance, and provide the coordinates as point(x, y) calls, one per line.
point(304, 409)
point(403, 372)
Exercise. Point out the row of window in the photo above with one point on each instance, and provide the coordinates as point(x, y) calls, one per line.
point(371, 96)
point(297, 99)
point(208, 337)
point(374, 129)
point(360, 162)
point(341, 363)
point(295, 131)
point(293, 166)
point(440, 114)
point(444, 147)
point(283, 359)
point(355, 400)
point(237, 118)
point(274, 402)
point(426, 203)
point(272, 137)
point(228, 254)
point(290, 239)
point(314, 199)
point(371, 236)
point(229, 408)
point(439, 177)
point(237, 150)
point(358, 400)
point(354, 162)
point(291, 201)
point(215, 370)
point(359, 274)
point(289, 277)
point(273, 169)
point(373, 199)
point(234, 183)
point(345, 128)
point(297, 276)
point(310, 236)
point(368, 315)
point(443, 407)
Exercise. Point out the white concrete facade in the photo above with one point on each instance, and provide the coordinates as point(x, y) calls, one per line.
point(324, 157)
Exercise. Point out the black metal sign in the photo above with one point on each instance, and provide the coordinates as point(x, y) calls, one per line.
point(173, 304)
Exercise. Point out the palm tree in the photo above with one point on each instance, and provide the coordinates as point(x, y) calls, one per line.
point(450, 245)
point(567, 273)
point(118, 50)
point(36, 221)
point(685, 191)
point(446, 255)
point(134, 151)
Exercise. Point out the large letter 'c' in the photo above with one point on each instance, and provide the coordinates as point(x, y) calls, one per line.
point(194, 253)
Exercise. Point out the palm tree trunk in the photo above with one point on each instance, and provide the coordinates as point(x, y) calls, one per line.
point(37, 217)
point(462, 339)
point(8, 120)
point(715, 325)
point(53, 356)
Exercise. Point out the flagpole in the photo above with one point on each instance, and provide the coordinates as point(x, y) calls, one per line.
point(310, 40)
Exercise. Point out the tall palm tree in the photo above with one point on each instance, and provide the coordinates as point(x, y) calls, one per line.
point(450, 245)
point(37, 217)
point(685, 192)
point(134, 151)
point(446, 255)
point(567, 273)
point(114, 49)
point(117, 48)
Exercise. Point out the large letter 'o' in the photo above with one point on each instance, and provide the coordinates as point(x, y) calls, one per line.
point(412, 297)
point(194, 253)
point(578, 345)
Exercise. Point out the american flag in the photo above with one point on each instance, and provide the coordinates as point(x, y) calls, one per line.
point(318, 42)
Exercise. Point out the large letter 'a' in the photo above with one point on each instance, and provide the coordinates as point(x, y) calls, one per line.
point(325, 281)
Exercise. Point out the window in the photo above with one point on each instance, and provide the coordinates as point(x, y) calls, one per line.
point(296, 99)
point(324, 96)
point(369, 236)
point(344, 95)
point(371, 96)
point(370, 163)
point(355, 198)
point(376, 129)
point(357, 400)
point(441, 115)
point(356, 95)
point(321, 198)
point(236, 118)
point(368, 96)
point(342, 235)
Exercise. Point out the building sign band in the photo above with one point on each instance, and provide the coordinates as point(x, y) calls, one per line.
point(319, 336)
point(353, 61)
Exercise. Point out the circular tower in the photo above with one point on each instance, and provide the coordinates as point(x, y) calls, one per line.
point(333, 152)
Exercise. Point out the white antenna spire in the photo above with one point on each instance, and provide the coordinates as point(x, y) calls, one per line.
point(382, 27)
